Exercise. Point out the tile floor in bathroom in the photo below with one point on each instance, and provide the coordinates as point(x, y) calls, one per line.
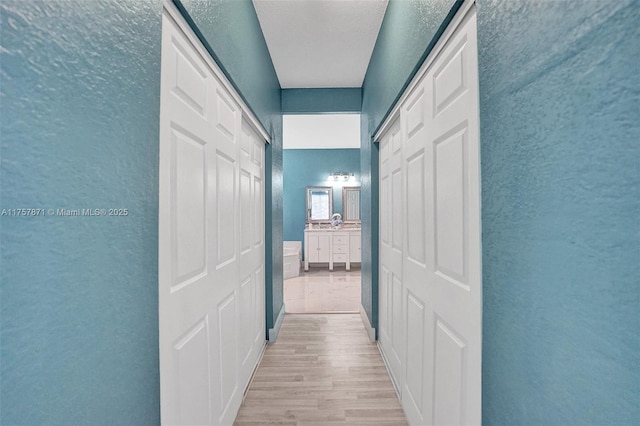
point(321, 291)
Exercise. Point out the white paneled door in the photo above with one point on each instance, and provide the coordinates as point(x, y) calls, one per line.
point(252, 250)
point(211, 239)
point(439, 277)
point(391, 324)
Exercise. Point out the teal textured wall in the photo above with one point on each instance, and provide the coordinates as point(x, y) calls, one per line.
point(559, 110)
point(329, 100)
point(407, 34)
point(80, 94)
point(231, 32)
point(310, 167)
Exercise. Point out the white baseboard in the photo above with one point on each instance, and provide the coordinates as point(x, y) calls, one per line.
point(255, 369)
point(367, 325)
point(273, 332)
point(391, 376)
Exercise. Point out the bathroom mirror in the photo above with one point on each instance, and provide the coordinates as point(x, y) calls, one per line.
point(351, 204)
point(319, 204)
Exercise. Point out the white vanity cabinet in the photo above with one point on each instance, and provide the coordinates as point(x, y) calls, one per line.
point(331, 246)
point(339, 248)
point(317, 247)
point(355, 246)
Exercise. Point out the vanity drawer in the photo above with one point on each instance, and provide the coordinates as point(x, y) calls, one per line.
point(340, 239)
point(339, 257)
point(340, 248)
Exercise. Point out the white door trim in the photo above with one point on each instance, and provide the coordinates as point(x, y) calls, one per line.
point(179, 20)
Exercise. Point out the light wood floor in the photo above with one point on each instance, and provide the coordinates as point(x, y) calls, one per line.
point(322, 370)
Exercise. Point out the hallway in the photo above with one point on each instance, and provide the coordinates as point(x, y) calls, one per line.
point(141, 252)
point(322, 370)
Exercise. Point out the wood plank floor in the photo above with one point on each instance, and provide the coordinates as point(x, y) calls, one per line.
point(322, 370)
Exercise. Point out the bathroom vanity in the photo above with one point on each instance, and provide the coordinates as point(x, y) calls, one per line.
point(324, 243)
point(328, 245)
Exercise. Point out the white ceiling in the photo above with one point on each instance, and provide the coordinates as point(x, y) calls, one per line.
point(323, 131)
point(320, 43)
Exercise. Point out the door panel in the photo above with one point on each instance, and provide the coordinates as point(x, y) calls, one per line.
point(415, 268)
point(416, 244)
point(188, 201)
point(225, 201)
point(449, 379)
point(227, 352)
point(355, 247)
point(245, 211)
point(210, 320)
point(391, 289)
point(430, 268)
point(457, 276)
point(259, 317)
point(258, 211)
point(193, 391)
point(451, 202)
point(396, 209)
point(415, 351)
point(384, 309)
point(185, 267)
point(251, 248)
point(247, 303)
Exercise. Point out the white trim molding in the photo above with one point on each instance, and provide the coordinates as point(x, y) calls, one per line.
point(371, 332)
point(273, 332)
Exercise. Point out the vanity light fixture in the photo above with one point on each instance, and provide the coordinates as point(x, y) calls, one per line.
point(342, 176)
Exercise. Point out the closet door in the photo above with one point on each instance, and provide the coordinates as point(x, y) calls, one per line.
point(417, 262)
point(392, 325)
point(454, 278)
point(430, 252)
point(252, 249)
point(224, 248)
point(441, 268)
point(187, 265)
point(211, 222)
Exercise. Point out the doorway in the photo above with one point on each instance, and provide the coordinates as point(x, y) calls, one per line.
point(321, 222)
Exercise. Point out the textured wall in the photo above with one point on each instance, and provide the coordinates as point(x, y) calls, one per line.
point(231, 32)
point(310, 167)
point(559, 109)
point(79, 321)
point(369, 213)
point(332, 100)
point(409, 30)
point(274, 205)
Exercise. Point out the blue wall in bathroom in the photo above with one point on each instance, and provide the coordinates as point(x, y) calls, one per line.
point(231, 31)
point(80, 84)
point(310, 167)
point(408, 32)
point(320, 101)
point(559, 116)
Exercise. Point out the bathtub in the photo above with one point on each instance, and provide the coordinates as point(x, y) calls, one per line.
point(292, 258)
